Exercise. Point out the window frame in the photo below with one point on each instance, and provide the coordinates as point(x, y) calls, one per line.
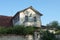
point(35, 19)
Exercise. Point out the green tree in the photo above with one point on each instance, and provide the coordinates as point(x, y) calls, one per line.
point(53, 24)
point(48, 36)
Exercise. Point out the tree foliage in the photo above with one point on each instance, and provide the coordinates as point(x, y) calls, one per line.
point(19, 30)
point(53, 24)
point(48, 36)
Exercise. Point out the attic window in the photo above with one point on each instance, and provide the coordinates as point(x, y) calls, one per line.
point(30, 15)
point(26, 12)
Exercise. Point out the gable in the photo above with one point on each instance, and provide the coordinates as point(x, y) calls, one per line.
point(29, 9)
point(29, 12)
point(32, 9)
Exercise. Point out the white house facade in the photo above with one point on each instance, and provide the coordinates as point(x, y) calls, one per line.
point(27, 17)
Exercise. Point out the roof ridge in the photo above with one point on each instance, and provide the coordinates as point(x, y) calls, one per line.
point(5, 16)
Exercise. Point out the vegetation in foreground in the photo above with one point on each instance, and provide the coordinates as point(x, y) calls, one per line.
point(19, 30)
point(54, 25)
point(48, 36)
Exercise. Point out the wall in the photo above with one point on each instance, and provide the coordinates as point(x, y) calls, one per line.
point(58, 37)
point(16, 20)
point(12, 38)
point(15, 37)
point(37, 23)
point(36, 35)
point(30, 18)
point(22, 17)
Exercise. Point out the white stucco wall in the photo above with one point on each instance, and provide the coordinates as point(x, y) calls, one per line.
point(12, 37)
point(22, 18)
point(38, 20)
point(36, 36)
point(38, 23)
point(16, 37)
point(29, 37)
point(16, 23)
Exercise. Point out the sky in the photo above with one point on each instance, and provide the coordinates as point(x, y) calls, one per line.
point(49, 8)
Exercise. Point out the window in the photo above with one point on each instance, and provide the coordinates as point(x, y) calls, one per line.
point(30, 19)
point(35, 19)
point(16, 19)
point(26, 12)
point(30, 15)
point(26, 18)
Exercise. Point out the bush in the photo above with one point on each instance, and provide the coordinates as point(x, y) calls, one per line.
point(19, 30)
point(28, 30)
point(48, 36)
point(57, 32)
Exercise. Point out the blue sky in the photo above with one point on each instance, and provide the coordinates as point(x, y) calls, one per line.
point(49, 8)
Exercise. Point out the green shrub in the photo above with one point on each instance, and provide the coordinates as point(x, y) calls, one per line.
point(19, 30)
point(3, 30)
point(57, 32)
point(28, 30)
point(48, 36)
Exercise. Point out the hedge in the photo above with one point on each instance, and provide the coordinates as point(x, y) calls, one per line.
point(19, 30)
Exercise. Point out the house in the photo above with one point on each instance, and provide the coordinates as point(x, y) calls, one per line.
point(27, 17)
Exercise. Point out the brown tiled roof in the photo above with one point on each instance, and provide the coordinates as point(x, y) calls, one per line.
point(5, 21)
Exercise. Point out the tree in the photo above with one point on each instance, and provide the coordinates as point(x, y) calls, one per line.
point(53, 24)
point(48, 36)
